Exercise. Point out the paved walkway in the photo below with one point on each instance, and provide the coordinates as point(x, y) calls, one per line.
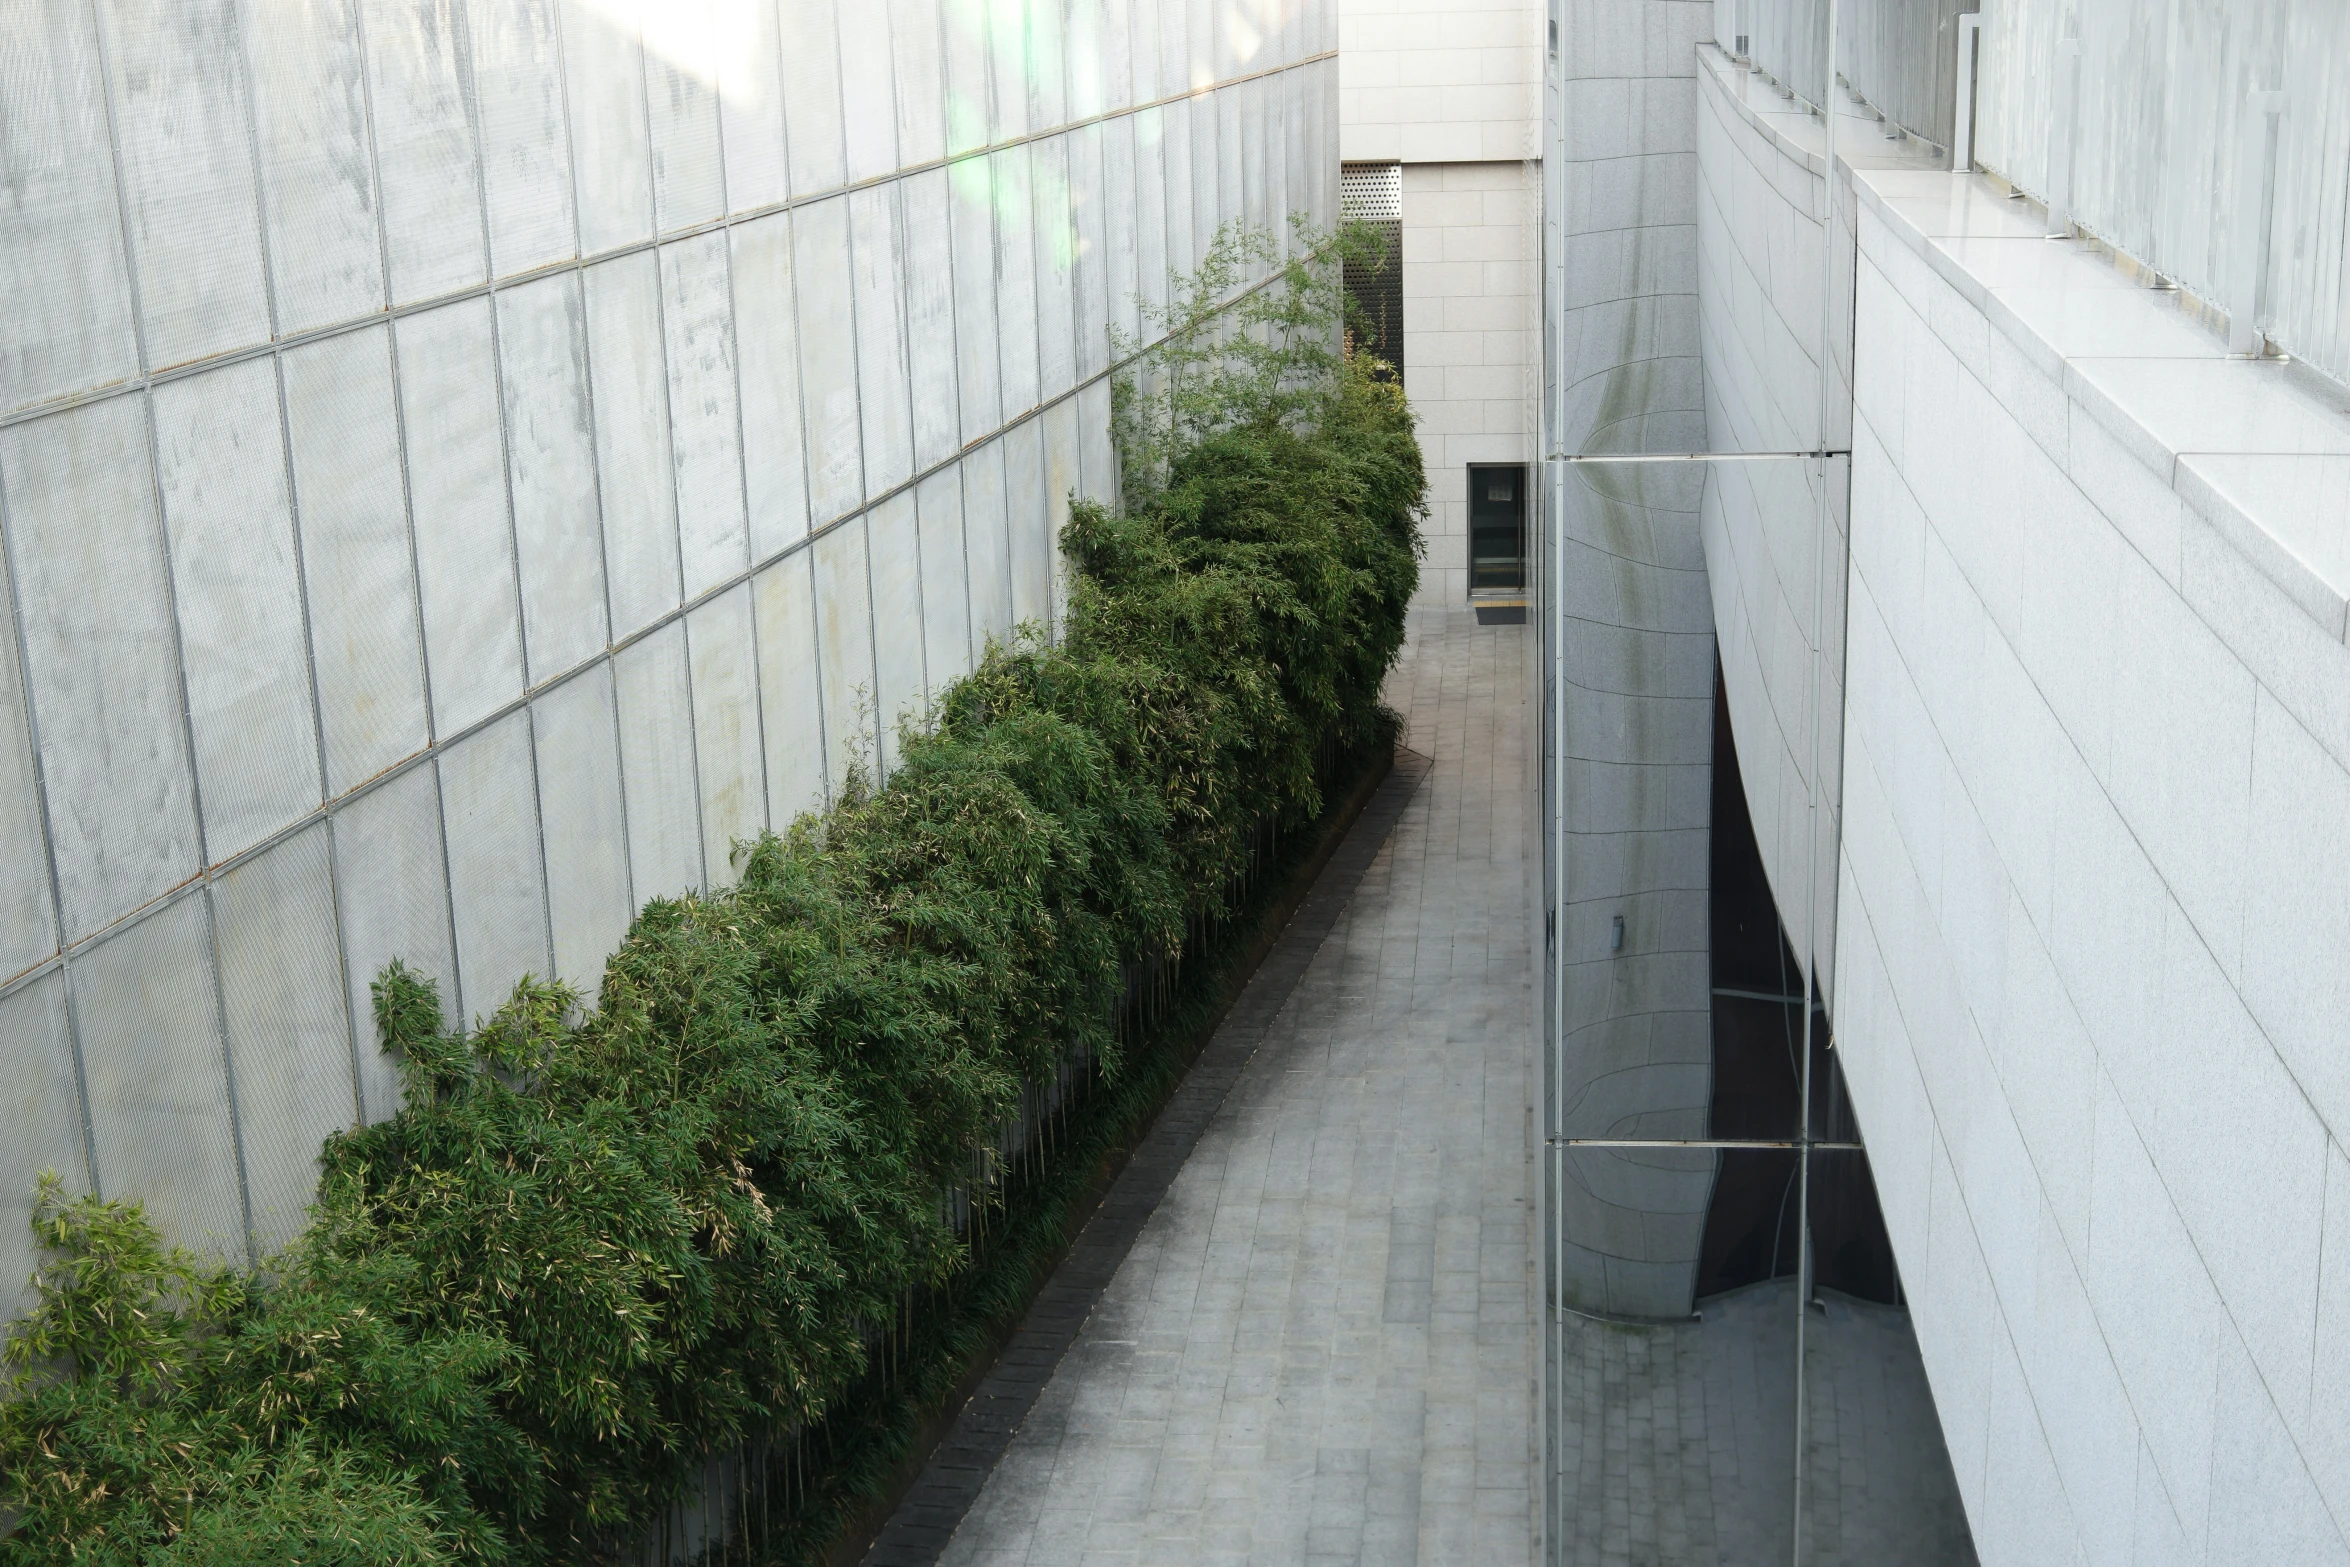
point(1319, 1347)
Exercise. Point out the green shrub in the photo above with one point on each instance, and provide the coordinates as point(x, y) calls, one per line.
point(599, 1243)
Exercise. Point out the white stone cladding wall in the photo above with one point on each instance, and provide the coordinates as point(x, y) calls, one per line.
point(1453, 93)
point(465, 465)
point(2091, 992)
point(1469, 340)
point(1439, 83)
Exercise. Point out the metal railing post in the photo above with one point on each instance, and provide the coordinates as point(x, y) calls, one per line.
point(2256, 184)
point(1962, 133)
point(2064, 93)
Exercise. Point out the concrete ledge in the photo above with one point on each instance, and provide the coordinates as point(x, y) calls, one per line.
point(2258, 449)
point(1802, 135)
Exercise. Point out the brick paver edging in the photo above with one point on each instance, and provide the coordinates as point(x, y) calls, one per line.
point(923, 1523)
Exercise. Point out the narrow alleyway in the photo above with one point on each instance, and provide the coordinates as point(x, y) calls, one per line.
point(1320, 1345)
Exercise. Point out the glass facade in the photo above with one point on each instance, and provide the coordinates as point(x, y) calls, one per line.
point(1730, 1370)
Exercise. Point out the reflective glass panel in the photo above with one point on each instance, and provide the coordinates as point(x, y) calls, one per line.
point(1690, 223)
point(1685, 686)
point(1675, 1434)
point(1877, 1482)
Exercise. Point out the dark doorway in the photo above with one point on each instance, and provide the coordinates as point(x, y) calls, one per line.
point(1497, 527)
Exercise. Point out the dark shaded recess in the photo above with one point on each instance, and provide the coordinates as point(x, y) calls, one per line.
point(1374, 289)
point(1851, 1252)
point(1497, 527)
point(1501, 615)
point(1751, 1228)
point(1751, 1221)
point(1757, 1043)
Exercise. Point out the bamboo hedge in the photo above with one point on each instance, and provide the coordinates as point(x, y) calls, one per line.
point(608, 1236)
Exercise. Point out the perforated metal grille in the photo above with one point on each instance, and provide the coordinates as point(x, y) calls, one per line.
point(1371, 192)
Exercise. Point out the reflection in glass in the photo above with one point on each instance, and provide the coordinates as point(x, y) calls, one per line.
point(1715, 1229)
point(1715, 1226)
point(1757, 981)
point(1877, 1483)
point(1633, 721)
point(1676, 1441)
point(1631, 1226)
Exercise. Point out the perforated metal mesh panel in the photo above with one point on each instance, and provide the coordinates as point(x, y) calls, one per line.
point(369, 640)
point(1027, 504)
point(681, 118)
point(884, 402)
point(95, 615)
point(731, 763)
point(1017, 285)
point(289, 1036)
point(392, 890)
point(576, 728)
point(496, 898)
point(237, 586)
point(658, 767)
point(844, 649)
point(1372, 194)
point(697, 312)
point(369, 661)
point(551, 467)
point(28, 914)
point(633, 469)
point(790, 697)
point(930, 317)
point(157, 1077)
point(898, 615)
point(1089, 233)
point(828, 358)
point(457, 507)
point(767, 360)
point(946, 597)
point(40, 1122)
point(987, 545)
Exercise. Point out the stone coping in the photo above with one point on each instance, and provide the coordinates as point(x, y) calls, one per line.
point(1861, 143)
point(2258, 448)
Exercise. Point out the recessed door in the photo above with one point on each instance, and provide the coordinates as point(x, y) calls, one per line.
point(1497, 527)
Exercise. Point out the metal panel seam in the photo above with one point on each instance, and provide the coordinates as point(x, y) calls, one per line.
point(864, 479)
point(179, 665)
point(809, 533)
point(470, 85)
point(285, 436)
point(394, 311)
point(62, 961)
point(587, 378)
point(669, 424)
point(742, 475)
point(435, 745)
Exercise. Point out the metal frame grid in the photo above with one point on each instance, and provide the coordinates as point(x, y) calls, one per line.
point(1063, 418)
